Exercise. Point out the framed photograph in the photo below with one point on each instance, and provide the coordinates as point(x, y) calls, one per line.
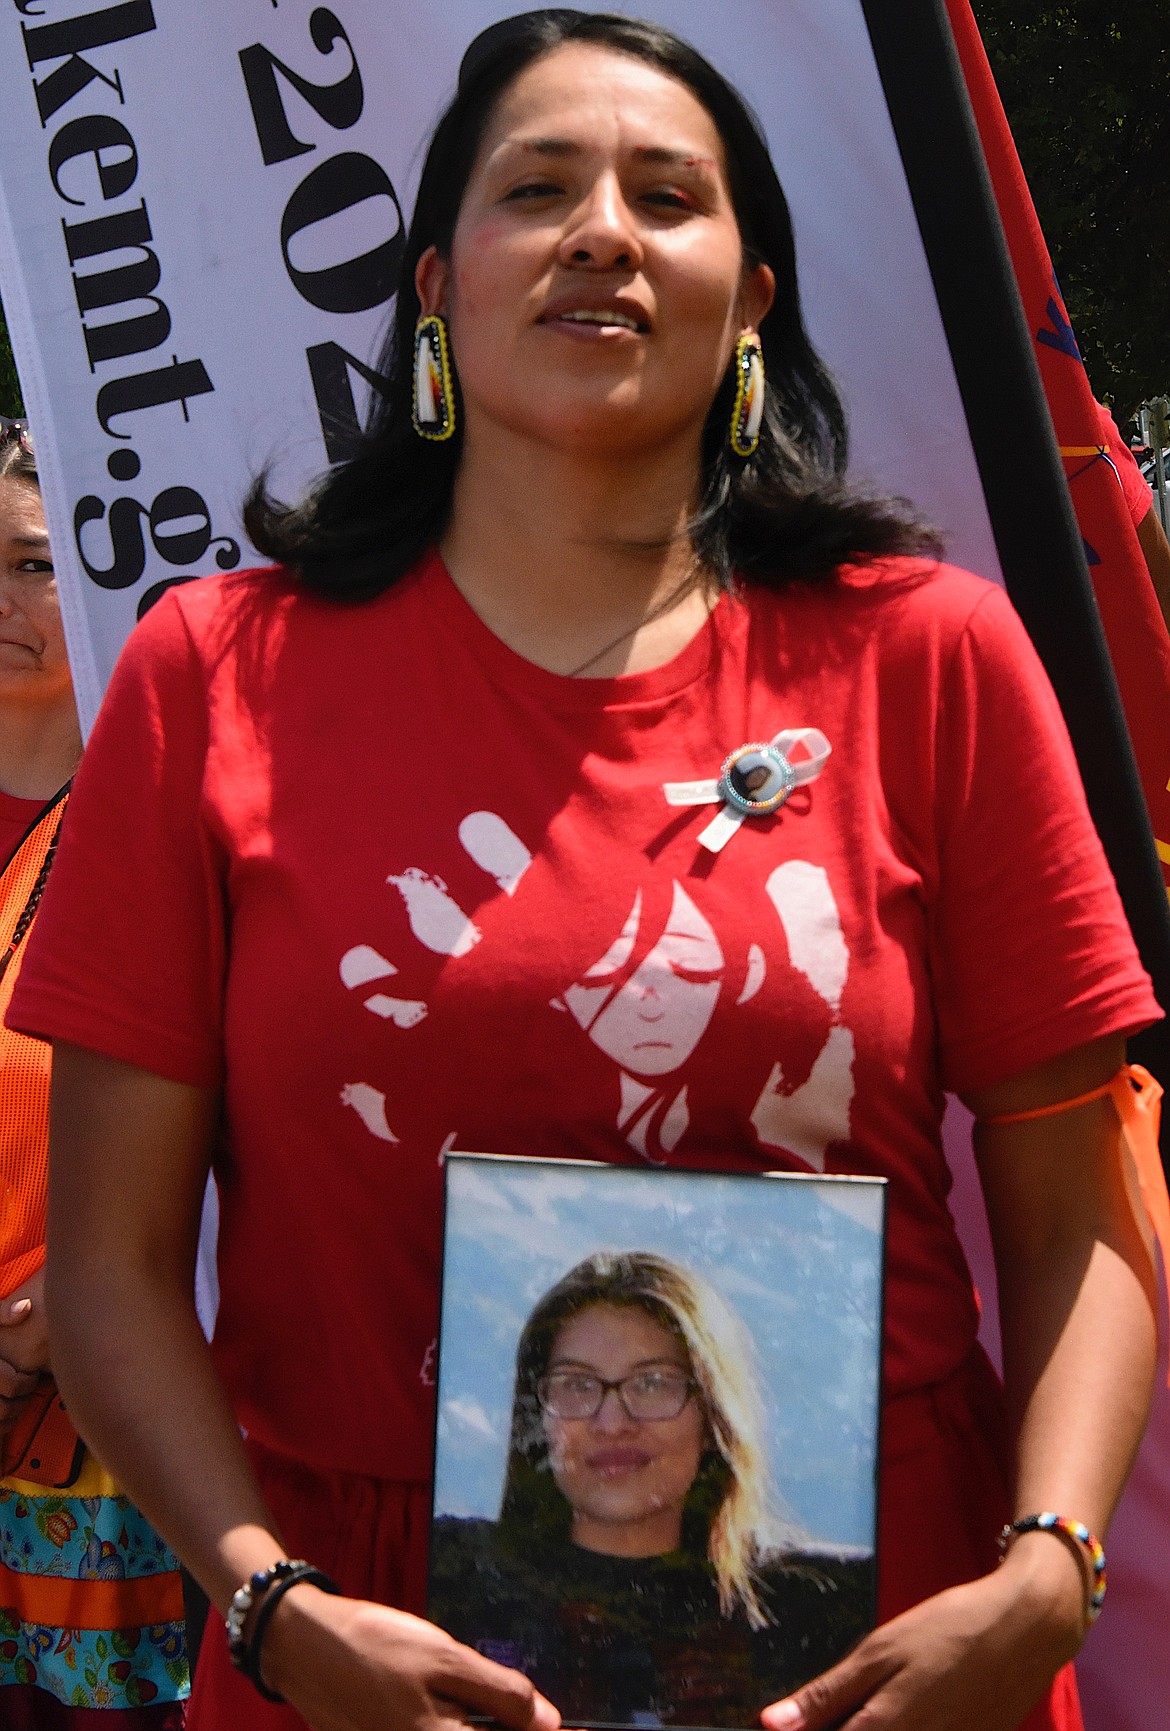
point(657, 1434)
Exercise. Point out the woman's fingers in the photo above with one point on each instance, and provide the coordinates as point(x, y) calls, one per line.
point(831, 1697)
point(16, 1384)
point(349, 1665)
point(974, 1658)
point(485, 1687)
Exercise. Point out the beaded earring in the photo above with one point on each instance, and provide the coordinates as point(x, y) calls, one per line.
point(432, 407)
point(748, 411)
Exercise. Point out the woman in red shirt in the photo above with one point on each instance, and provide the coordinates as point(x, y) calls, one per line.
point(580, 570)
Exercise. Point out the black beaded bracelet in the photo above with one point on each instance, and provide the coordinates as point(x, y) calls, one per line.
point(244, 1600)
point(268, 1586)
point(300, 1574)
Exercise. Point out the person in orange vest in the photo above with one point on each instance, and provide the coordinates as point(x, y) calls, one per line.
point(91, 1608)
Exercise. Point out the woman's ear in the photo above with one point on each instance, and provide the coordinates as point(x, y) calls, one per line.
point(757, 292)
point(430, 282)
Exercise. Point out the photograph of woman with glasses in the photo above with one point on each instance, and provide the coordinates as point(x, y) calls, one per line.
point(640, 1565)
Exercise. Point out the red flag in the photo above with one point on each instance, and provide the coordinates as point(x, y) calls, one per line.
point(1134, 630)
point(1124, 1673)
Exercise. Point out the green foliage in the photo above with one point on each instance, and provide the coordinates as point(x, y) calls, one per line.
point(11, 401)
point(1085, 87)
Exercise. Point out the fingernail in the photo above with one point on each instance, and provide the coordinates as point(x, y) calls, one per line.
point(20, 1308)
point(784, 1716)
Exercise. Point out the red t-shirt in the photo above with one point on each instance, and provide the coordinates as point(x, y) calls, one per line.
point(17, 817)
point(1138, 497)
point(399, 890)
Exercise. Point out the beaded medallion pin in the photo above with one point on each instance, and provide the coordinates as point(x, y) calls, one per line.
point(754, 781)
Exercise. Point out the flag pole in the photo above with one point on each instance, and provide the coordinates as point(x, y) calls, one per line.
point(1039, 544)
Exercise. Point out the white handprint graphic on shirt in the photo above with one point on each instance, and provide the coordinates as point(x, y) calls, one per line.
point(806, 1119)
point(436, 920)
point(441, 926)
point(649, 1019)
point(359, 967)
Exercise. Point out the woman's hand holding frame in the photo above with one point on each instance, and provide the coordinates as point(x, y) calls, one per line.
point(348, 1665)
point(977, 1656)
point(1076, 1297)
point(1077, 1294)
point(143, 1144)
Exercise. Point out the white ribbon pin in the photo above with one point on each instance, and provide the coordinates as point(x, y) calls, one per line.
point(755, 781)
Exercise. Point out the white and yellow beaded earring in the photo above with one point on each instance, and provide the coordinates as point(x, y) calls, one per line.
point(432, 407)
point(748, 412)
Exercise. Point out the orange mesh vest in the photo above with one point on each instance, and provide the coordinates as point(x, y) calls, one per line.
point(24, 1071)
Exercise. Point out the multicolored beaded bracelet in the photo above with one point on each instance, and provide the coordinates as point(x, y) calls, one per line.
point(1091, 1548)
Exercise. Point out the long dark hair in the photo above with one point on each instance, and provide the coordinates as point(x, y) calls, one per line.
point(784, 513)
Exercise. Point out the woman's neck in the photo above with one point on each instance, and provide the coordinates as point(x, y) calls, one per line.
point(578, 563)
point(39, 747)
point(654, 1535)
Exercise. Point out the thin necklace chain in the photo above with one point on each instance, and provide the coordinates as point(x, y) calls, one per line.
point(689, 583)
point(27, 913)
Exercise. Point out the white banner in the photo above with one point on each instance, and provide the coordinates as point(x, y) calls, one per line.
point(200, 217)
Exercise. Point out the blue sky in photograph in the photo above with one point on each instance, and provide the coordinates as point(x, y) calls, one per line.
point(798, 1258)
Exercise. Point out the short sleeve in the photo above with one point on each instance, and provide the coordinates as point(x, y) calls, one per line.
point(127, 956)
point(1138, 497)
point(1030, 951)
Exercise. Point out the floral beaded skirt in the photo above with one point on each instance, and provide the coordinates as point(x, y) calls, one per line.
point(92, 1627)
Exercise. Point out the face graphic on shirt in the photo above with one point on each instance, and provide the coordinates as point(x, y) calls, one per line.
point(651, 1023)
point(651, 1019)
